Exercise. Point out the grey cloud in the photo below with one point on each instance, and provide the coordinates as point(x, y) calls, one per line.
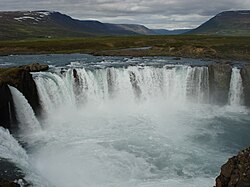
point(152, 13)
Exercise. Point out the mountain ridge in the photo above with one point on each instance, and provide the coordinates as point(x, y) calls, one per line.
point(230, 23)
point(28, 24)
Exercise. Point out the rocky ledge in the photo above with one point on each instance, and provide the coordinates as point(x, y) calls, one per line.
point(20, 78)
point(236, 172)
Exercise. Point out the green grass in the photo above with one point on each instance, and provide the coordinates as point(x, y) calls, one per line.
point(194, 46)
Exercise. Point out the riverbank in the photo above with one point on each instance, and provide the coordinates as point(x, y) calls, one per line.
point(204, 47)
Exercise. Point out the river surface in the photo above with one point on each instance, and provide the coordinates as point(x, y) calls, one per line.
point(125, 122)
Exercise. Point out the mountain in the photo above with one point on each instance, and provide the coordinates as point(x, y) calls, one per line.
point(46, 24)
point(170, 32)
point(235, 23)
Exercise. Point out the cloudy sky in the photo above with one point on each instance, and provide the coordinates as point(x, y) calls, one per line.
point(168, 14)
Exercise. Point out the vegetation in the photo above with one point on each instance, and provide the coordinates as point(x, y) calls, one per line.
point(214, 47)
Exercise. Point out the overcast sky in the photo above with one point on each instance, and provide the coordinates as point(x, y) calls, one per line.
point(168, 14)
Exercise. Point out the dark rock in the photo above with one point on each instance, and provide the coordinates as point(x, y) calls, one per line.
point(35, 67)
point(219, 83)
point(135, 85)
point(176, 58)
point(10, 174)
point(20, 78)
point(75, 75)
point(23, 81)
point(6, 183)
point(245, 74)
point(7, 111)
point(111, 79)
point(236, 172)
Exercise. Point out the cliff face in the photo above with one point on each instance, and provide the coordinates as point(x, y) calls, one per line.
point(7, 111)
point(245, 74)
point(219, 83)
point(20, 78)
point(236, 172)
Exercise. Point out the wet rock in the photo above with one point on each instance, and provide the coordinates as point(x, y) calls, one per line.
point(23, 81)
point(7, 111)
point(176, 58)
point(11, 175)
point(20, 78)
point(35, 67)
point(245, 74)
point(6, 183)
point(135, 85)
point(76, 77)
point(236, 172)
point(219, 83)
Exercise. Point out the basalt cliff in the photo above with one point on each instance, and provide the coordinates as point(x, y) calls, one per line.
point(20, 78)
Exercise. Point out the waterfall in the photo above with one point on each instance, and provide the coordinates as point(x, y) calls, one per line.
point(198, 84)
point(83, 85)
point(25, 114)
point(11, 150)
point(236, 88)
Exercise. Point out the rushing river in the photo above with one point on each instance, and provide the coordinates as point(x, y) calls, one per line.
point(125, 122)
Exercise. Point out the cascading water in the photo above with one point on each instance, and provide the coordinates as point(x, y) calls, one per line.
point(109, 125)
point(12, 152)
point(129, 126)
point(236, 88)
point(25, 115)
point(134, 82)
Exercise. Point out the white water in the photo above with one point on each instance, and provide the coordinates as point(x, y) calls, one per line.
point(135, 126)
point(12, 151)
point(177, 83)
point(25, 115)
point(236, 88)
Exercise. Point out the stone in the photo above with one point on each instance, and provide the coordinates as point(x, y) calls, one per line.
point(236, 172)
point(219, 83)
point(6, 183)
point(20, 78)
point(245, 74)
point(7, 111)
point(35, 67)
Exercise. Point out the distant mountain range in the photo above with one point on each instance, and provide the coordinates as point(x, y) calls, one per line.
point(235, 23)
point(46, 24)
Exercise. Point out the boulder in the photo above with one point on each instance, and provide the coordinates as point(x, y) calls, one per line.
point(236, 172)
point(219, 83)
point(245, 74)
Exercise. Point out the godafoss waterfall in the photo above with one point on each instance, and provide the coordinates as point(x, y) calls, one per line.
point(121, 122)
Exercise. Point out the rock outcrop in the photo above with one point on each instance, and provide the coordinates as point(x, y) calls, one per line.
point(236, 172)
point(35, 67)
point(20, 78)
point(6, 183)
point(219, 83)
point(245, 74)
point(7, 111)
point(11, 175)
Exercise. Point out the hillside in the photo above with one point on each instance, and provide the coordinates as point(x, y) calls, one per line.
point(45, 24)
point(232, 23)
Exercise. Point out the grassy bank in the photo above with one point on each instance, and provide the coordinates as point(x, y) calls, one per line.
point(234, 48)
